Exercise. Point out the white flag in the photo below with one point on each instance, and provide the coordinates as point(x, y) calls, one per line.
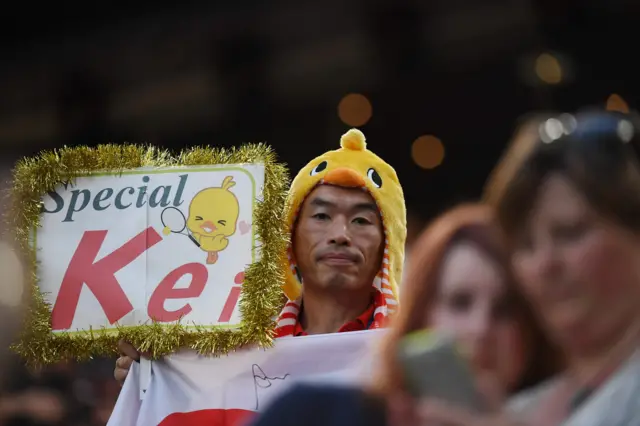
point(191, 390)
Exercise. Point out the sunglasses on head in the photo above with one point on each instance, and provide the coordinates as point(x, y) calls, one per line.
point(599, 138)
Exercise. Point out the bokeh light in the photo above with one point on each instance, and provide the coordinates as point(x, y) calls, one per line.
point(355, 110)
point(427, 151)
point(616, 103)
point(548, 69)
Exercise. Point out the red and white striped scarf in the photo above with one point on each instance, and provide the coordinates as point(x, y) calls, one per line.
point(289, 316)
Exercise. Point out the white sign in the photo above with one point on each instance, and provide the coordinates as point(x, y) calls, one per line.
point(191, 390)
point(163, 244)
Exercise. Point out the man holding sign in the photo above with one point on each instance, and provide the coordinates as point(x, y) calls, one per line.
point(347, 216)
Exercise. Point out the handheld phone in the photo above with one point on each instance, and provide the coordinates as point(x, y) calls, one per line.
point(433, 367)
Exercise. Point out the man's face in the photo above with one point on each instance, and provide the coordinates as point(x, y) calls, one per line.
point(338, 241)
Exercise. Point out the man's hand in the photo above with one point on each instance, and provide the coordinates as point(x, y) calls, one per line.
point(123, 364)
point(130, 354)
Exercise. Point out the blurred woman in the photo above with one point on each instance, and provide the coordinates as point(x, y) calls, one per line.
point(568, 196)
point(458, 281)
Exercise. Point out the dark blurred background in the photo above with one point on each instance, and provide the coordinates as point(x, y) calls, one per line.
point(437, 86)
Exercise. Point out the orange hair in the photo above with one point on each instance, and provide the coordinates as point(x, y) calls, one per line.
point(474, 223)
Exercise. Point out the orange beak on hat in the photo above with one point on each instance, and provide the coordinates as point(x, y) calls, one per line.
point(344, 177)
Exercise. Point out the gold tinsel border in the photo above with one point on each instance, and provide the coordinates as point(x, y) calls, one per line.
point(262, 295)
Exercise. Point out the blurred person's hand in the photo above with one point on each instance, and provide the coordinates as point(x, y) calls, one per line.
point(43, 405)
point(404, 410)
point(123, 364)
point(433, 412)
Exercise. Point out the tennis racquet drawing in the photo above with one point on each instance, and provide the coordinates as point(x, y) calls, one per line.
point(174, 222)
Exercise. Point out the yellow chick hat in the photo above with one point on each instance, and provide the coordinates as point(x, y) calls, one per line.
point(353, 165)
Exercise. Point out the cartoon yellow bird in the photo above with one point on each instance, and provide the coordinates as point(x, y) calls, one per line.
point(213, 215)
